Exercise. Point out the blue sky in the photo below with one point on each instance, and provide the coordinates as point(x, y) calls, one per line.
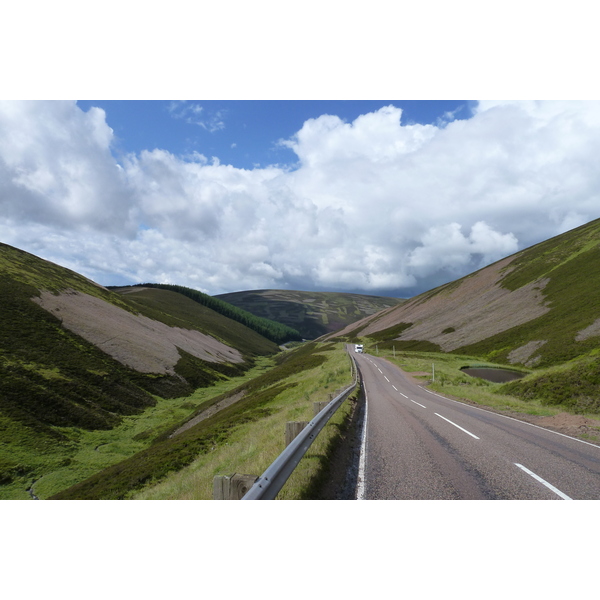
point(241, 133)
point(312, 189)
point(378, 197)
point(371, 206)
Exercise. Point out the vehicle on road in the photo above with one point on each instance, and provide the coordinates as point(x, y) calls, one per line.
point(358, 348)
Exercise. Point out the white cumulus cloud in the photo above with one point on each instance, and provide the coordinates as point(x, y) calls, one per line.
point(373, 205)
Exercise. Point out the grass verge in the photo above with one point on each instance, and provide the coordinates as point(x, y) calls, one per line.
point(254, 446)
point(245, 437)
point(502, 397)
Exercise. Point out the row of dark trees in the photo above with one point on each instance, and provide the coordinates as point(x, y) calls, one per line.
point(272, 330)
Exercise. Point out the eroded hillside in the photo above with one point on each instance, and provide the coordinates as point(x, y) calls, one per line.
point(75, 357)
point(539, 307)
point(144, 344)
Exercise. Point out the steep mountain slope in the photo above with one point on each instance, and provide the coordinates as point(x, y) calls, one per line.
point(71, 347)
point(313, 314)
point(76, 355)
point(538, 307)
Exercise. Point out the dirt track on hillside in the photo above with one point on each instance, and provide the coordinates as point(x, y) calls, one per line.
point(210, 411)
point(136, 341)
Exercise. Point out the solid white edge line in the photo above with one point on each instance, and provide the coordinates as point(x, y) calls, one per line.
point(548, 485)
point(361, 483)
point(455, 425)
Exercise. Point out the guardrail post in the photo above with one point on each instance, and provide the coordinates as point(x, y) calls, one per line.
point(232, 487)
point(292, 429)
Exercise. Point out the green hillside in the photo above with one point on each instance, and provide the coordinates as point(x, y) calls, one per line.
point(313, 314)
point(272, 330)
point(178, 310)
point(263, 396)
point(54, 382)
point(571, 264)
point(538, 309)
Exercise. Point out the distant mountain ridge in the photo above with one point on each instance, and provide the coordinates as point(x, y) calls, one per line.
point(313, 314)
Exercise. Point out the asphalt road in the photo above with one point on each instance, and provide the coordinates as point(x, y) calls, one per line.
point(418, 445)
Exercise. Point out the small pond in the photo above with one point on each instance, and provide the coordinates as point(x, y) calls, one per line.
point(491, 374)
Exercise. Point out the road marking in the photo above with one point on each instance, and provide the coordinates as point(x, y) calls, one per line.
point(512, 419)
point(380, 370)
point(394, 387)
point(386, 378)
point(360, 485)
point(418, 403)
point(548, 485)
point(403, 395)
point(455, 425)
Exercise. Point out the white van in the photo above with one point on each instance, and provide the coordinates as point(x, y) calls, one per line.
point(358, 348)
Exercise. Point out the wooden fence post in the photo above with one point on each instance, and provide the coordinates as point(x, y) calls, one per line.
point(232, 487)
point(292, 429)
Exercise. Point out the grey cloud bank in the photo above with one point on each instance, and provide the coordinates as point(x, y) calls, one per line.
point(373, 205)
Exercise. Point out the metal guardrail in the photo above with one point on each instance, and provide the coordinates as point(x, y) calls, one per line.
point(269, 484)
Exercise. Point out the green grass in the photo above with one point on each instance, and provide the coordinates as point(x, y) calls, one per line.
point(253, 446)
point(56, 388)
point(573, 386)
point(523, 396)
point(285, 392)
point(56, 463)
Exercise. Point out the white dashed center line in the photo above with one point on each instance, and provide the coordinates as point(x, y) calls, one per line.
point(548, 485)
point(455, 425)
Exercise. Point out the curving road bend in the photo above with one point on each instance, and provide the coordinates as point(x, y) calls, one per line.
point(418, 445)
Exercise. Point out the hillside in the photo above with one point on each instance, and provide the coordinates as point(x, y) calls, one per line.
point(243, 424)
point(539, 308)
point(272, 330)
point(313, 314)
point(76, 356)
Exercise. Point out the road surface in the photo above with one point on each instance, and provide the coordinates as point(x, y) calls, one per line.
point(419, 445)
